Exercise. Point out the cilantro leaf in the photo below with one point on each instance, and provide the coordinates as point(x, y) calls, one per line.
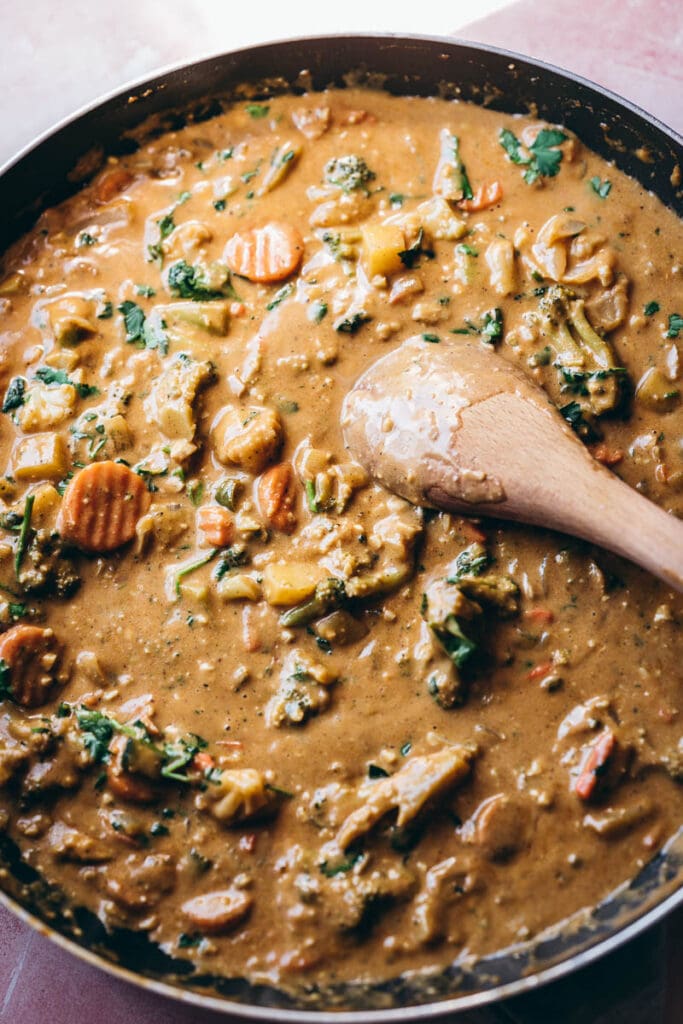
point(601, 188)
point(48, 375)
point(544, 158)
point(651, 308)
point(675, 325)
point(15, 394)
point(133, 320)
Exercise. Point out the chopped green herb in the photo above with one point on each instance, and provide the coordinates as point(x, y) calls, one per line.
point(318, 311)
point(133, 320)
point(166, 225)
point(573, 414)
point(376, 772)
point(146, 290)
point(341, 866)
point(48, 375)
point(257, 110)
point(185, 280)
point(467, 249)
point(650, 308)
point(231, 558)
point(280, 296)
point(105, 310)
point(470, 562)
point(601, 188)
point(22, 543)
point(158, 829)
point(15, 394)
point(353, 323)
point(406, 748)
point(675, 325)
point(409, 257)
point(189, 941)
point(187, 569)
point(178, 755)
point(219, 204)
point(311, 499)
point(140, 330)
point(85, 239)
point(544, 158)
point(433, 339)
point(195, 492)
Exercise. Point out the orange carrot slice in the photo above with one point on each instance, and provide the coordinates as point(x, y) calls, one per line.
point(217, 526)
point(594, 765)
point(133, 789)
point(31, 654)
point(111, 184)
point(265, 254)
point(277, 497)
point(485, 196)
point(217, 911)
point(101, 507)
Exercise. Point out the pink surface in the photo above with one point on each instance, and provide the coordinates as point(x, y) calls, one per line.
point(633, 48)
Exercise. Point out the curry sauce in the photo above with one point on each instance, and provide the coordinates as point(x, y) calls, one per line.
point(289, 725)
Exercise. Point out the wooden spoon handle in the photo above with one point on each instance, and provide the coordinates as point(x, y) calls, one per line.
point(563, 488)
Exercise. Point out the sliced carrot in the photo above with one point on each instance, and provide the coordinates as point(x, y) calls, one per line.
point(541, 615)
point(277, 497)
point(539, 671)
point(101, 507)
point(218, 911)
point(134, 789)
point(111, 184)
point(31, 654)
point(485, 196)
point(594, 765)
point(268, 253)
point(470, 531)
point(608, 456)
point(203, 762)
point(217, 526)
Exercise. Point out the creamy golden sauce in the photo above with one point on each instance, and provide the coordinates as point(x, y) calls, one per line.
point(253, 744)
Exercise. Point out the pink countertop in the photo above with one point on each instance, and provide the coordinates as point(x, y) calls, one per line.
point(635, 49)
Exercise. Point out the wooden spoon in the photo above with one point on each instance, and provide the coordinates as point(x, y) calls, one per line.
point(455, 426)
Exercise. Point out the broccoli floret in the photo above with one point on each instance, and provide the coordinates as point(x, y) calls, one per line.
point(455, 609)
point(329, 595)
point(46, 571)
point(348, 172)
point(584, 361)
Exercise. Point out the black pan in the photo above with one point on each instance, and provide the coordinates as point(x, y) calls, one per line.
point(58, 164)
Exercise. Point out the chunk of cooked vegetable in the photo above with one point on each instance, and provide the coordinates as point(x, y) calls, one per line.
point(250, 439)
point(29, 665)
point(421, 780)
point(272, 252)
point(172, 398)
point(40, 457)
point(101, 507)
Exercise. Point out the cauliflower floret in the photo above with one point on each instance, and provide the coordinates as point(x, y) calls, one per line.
point(171, 400)
point(46, 406)
point(238, 794)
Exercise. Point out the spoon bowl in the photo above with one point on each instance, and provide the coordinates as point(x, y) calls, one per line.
point(456, 426)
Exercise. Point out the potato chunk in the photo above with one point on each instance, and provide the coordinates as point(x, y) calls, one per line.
point(250, 440)
point(239, 794)
point(382, 245)
point(40, 457)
